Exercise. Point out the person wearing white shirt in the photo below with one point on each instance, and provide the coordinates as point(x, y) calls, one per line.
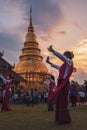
point(60, 95)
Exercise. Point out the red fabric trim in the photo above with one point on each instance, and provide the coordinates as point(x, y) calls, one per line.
point(62, 70)
point(6, 106)
point(7, 88)
point(61, 85)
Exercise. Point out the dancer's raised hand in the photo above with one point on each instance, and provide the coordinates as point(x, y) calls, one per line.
point(50, 48)
point(47, 60)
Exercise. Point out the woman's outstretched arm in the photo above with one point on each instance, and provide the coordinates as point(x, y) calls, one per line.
point(59, 55)
point(4, 79)
point(52, 64)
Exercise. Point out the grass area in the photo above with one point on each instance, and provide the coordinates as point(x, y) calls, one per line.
point(38, 118)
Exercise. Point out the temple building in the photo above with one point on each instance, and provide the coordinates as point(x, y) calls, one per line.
point(6, 70)
point(31, 66)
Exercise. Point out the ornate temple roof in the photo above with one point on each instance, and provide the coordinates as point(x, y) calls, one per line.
point(6, 69)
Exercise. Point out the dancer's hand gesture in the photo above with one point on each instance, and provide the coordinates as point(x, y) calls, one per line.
point(47, 60)
point(50, 48)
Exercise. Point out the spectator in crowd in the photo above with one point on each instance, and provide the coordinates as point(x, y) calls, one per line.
point(51, 88)
point(73, 94)
point(82, 97)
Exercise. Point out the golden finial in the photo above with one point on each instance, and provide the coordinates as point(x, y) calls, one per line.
point(30, 9)
point(30, 28)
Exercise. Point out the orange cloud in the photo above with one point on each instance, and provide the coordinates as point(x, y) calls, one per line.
point(81, 55)
point(80, 60)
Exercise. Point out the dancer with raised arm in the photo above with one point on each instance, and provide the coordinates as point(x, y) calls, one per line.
point(62, 114)
point(6, 95)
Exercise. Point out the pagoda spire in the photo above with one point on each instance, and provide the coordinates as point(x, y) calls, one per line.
point(31, 61)
point(30, 28)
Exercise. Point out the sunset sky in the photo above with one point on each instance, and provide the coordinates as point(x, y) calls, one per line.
point(61, 23)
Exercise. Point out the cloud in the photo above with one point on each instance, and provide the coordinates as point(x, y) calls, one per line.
point(9, 41)
point(80, 60)
point(10, 44)
point(62, 32)
point(80, 76)
point(45, 14)
point(11, 13)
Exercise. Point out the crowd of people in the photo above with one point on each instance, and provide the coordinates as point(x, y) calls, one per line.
point(77, 96)
point(30, 99)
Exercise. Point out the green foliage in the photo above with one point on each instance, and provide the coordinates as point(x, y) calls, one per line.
point(38, 118)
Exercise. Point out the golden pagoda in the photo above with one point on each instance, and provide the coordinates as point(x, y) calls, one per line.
point(30, 66)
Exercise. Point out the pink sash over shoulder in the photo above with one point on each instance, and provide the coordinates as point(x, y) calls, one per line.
point(61, 85)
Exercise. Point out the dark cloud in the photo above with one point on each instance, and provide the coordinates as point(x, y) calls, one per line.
point(9, 41)
point(62, 32)
point(10, 44)
point(44, 12)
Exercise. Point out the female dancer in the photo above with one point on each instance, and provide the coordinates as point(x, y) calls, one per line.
point(51, 88)
point(60, 95)
point(6, 94)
